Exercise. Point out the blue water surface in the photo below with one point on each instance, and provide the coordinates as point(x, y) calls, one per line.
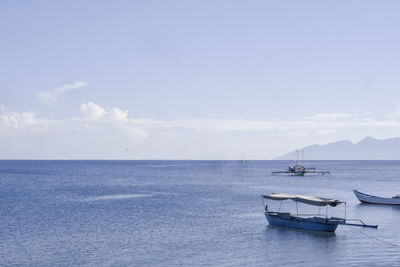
point(187, 213)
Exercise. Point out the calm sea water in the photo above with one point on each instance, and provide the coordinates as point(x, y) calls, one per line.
point(187, 213)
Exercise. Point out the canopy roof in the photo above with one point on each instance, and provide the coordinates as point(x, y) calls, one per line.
point(316, 201)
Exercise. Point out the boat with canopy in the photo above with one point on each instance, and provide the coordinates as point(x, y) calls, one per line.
point(370, 199)
point(315, 222)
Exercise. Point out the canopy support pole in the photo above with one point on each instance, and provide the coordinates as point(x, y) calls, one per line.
point(263, 203)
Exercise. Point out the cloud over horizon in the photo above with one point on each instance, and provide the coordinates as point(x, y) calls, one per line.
point(93, 111)
point(324, 123)
point(108, 126)
point(11, 120)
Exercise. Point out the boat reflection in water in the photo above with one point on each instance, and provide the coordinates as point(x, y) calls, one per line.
point(314, 222)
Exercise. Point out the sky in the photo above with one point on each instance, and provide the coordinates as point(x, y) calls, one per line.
point(198, 80)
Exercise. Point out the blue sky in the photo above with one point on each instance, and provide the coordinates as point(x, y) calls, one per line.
point(195, 79)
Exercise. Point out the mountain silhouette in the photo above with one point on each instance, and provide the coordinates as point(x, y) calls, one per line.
point(367, 149)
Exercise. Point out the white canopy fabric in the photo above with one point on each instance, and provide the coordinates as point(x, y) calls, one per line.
point(316, 201)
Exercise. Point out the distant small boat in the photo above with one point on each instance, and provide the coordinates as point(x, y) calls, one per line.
point(314, 222)
point(365, 198)
point(299, 170)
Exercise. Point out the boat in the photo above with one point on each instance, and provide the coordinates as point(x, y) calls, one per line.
point(299, 169)
point(365, 198)
point(314, 222)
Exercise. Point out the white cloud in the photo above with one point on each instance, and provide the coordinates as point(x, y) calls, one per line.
point(95, 120)
point(19, 120)
point(196, 137)
point(135, 132)
point(92, 111)
point(54, 94)
point(70, 87)
point(115, 118)
point(318, 124)
point(328, 116)
point(117, 115)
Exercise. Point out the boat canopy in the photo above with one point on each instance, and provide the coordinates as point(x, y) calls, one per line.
point(316, 201)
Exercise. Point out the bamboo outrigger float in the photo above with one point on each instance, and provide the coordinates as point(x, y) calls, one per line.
point(314, 222)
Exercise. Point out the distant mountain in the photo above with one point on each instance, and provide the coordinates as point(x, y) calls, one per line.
point(367, 149)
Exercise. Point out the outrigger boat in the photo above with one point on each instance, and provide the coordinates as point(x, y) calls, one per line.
point(365, 198)
point(315, 222)
point(299, 169)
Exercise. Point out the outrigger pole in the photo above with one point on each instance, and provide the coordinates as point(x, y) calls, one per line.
point(361, 225)
point(355, 224)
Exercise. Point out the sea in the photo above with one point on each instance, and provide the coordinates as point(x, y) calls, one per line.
point(189, 213)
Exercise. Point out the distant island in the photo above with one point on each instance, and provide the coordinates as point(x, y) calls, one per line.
point(367, 149)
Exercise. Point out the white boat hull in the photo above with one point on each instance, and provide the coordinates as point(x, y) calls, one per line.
point(365, 198)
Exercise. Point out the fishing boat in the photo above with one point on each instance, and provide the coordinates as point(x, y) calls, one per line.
point(365, 198)
point(299, 169)
point(314, 222)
